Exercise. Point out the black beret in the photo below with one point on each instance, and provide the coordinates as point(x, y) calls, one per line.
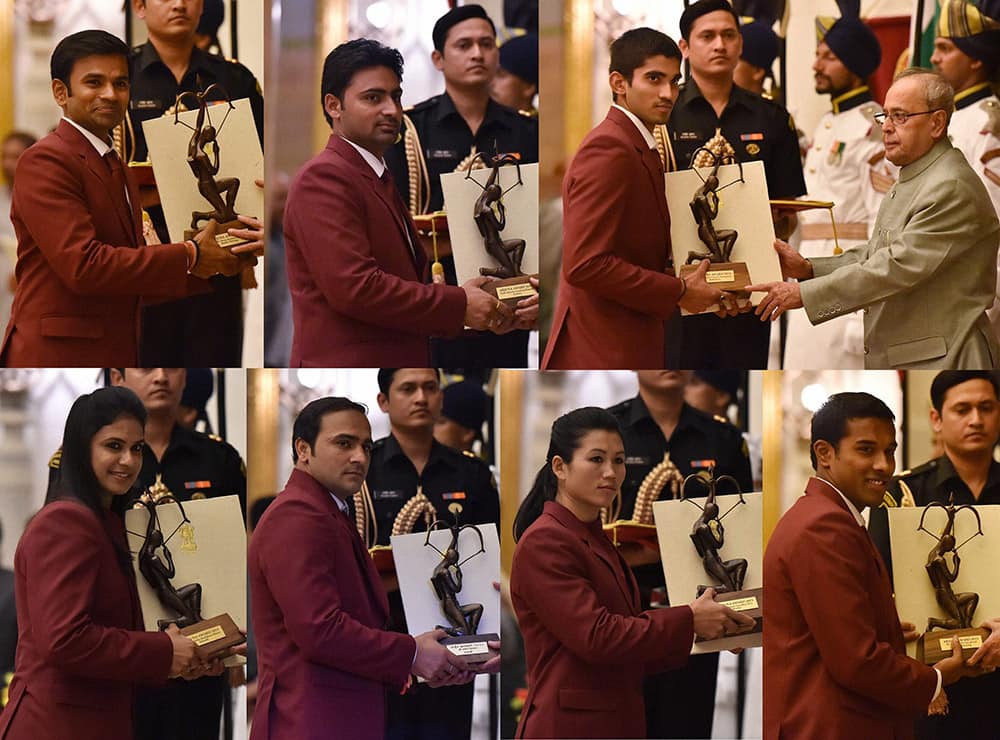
point(760, 44)
point(465, 404)
point(455, 16)
point(519, 56)
point(700, 8)
point(212, 14)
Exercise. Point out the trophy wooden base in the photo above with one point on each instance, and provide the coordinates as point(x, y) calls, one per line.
point(213, 637)
point(472, 648)
point(511, 290)
point(748, 602)
point(936, 645)
point(222, 237)
point(732, 277)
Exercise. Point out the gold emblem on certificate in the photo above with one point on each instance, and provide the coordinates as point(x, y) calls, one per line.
point(182, 604)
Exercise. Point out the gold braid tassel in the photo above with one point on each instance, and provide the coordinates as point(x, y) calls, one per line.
point(364, 517)
point(407, 517)
point(416, 169)
point(663, 475)
point(664, 148)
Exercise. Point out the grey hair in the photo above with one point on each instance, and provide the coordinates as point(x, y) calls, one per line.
point(937, 90)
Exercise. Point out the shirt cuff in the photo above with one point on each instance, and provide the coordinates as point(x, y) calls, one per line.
point(937, 690)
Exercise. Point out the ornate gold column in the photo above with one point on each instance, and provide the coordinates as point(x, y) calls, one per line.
point(578, 73)
point(772, 451)
point(511, 415)
point(263, 406)
point(331, 22)
point(6, 66)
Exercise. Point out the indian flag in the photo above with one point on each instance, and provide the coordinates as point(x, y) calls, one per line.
point(926, 12)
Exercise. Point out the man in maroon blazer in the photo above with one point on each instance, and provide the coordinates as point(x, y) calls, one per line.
point(82, 264)
point(319, 607)
point(835, 665)
point(356, 269)
point(615, 291)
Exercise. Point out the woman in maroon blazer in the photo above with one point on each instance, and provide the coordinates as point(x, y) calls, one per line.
point(81, 644)
point(587, 643)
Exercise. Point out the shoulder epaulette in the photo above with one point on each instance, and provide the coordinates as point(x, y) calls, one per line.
point(422, 105)
point(215, 437)
point(919, 470)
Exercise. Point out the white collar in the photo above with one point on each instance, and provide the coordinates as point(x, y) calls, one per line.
point(342, 505)
point(850, 507)
point(378, 165)
point(646, 135)
point(99, 144)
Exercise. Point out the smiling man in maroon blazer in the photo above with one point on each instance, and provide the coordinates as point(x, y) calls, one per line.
point(82, 264)
point(835, 664)
point(356, 269)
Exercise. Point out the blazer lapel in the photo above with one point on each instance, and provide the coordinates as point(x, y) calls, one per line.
point(389, 197)
point(99, 169)
point(650, 161)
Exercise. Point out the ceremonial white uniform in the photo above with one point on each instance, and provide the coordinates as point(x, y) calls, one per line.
point(844, 164)
point(975, 131)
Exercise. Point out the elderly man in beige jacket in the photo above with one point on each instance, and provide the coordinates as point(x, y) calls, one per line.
point(928, 273)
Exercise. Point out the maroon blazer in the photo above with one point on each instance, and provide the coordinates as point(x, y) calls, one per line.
point(834, 659)
point(80, 646)
point(614, 289)
point(587, 643)
point(319, 610)
point(359, 297)
point(82, 264)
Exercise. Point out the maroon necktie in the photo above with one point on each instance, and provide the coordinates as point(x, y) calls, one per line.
point(389, 188)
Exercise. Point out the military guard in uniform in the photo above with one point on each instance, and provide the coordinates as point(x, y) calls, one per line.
point(845, 164)
point(441, 135)
point(204, 330)
point(411, 477)
point(516, 82)
point(965, 415)
point(713, 112)
point(967, 54)
point(657, 422)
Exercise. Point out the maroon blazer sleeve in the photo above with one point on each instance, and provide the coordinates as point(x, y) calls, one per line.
point(557, 586)
point(594, 224)
point(51, 201)
point(63, 584)
point(828, 575)
point(327, 220)
point(302, 576)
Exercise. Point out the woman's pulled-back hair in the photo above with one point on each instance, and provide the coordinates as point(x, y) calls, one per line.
point(564, 440)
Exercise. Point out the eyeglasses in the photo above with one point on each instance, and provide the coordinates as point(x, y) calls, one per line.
point(898, 118)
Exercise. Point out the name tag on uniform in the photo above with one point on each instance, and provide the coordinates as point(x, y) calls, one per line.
point(395, 495)
point(146, 104)
point(442, 154)
point(454, 496)
point(689, 136)
point(636, 460)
